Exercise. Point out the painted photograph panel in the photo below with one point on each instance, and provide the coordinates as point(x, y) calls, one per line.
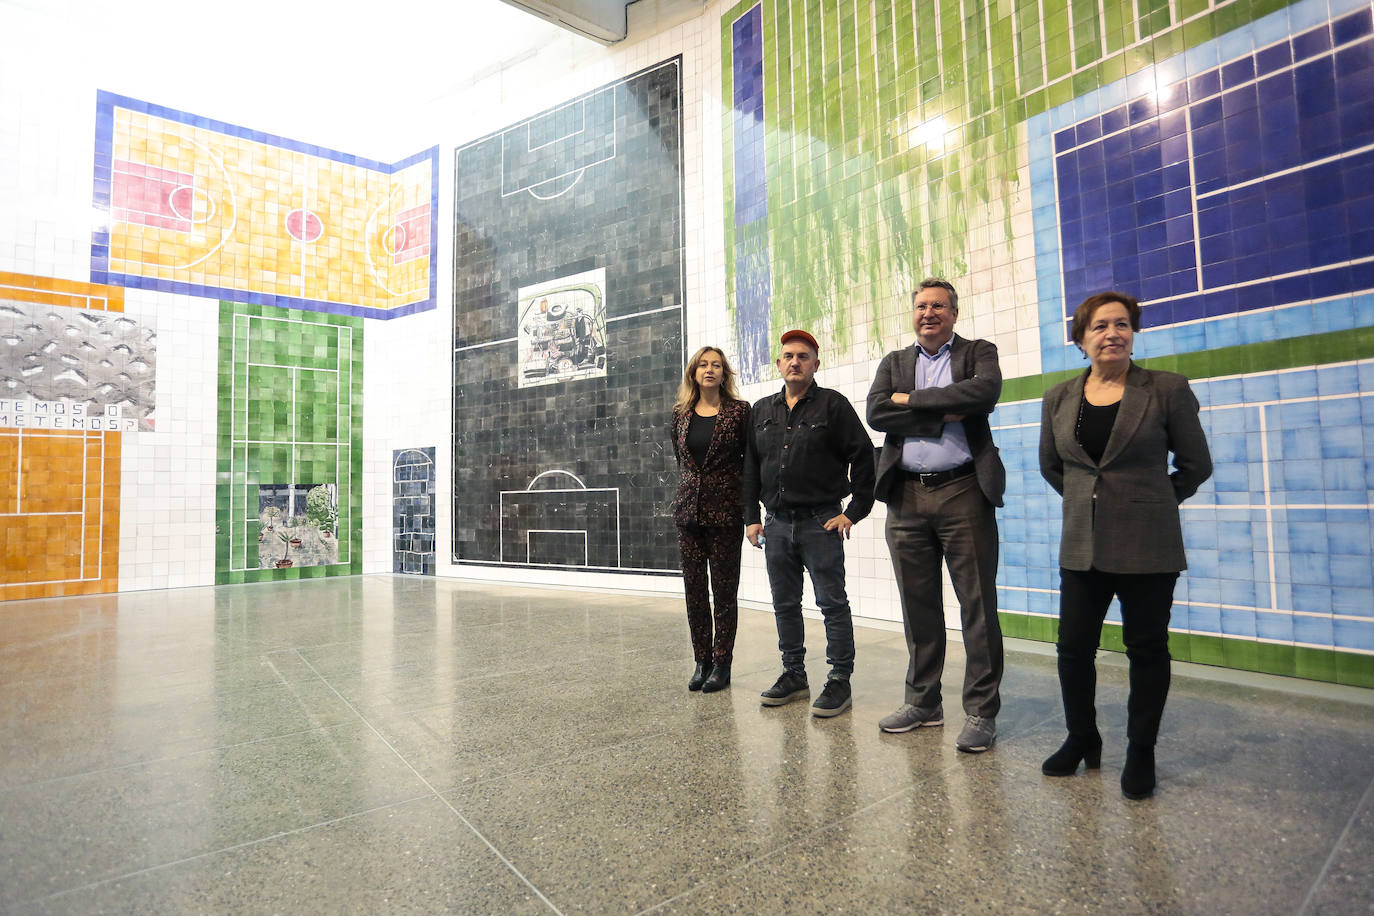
point(563, 329)
point(75, 368)
point(298, 525)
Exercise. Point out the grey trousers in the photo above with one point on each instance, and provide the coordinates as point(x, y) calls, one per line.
point(954, 524)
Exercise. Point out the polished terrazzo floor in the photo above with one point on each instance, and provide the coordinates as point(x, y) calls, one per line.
point(393, 744)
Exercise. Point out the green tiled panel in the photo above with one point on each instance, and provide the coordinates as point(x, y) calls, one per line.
point(1087, 32)
point(1354, 670)
point(290, 414)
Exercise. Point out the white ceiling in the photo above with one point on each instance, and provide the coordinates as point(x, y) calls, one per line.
point(283, 66)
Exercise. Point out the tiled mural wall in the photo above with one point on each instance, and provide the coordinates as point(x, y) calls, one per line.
point(1211, 158)
point(212, 209)
point(290, 444)
point(75, 377)
point(568, 289)
point(762, 165)
point(412, 518)
point(114, 475)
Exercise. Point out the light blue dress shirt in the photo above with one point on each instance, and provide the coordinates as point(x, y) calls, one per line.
point(949, 450)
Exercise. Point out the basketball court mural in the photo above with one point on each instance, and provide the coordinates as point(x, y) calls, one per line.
point(202, 207)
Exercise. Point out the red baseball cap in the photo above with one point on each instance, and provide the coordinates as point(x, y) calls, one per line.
point(804, 337)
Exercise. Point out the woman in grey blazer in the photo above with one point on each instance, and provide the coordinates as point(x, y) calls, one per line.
point(1105, 440)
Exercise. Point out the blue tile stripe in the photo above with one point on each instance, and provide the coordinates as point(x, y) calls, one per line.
point(753, 279)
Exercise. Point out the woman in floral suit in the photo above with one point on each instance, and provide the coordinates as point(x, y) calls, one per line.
point(709, 421)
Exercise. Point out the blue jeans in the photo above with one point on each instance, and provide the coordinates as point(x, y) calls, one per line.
point(795, 539)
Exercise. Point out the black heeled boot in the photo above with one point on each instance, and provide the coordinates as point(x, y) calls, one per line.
point(1076, 748)
point(699, 676)
point(719, 679)
point(1138, 776)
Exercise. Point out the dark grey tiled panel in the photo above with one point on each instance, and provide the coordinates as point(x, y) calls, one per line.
point(412, 511)
point(593, 183)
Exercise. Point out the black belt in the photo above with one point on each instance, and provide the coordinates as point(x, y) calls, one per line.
point(936, 479)
point(804, 512)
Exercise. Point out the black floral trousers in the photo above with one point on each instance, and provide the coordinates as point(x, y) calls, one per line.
point(717, 550)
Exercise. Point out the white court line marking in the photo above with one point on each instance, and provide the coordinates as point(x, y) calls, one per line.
point(529, 541)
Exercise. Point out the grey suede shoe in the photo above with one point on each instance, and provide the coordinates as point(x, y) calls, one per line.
point(909, 717)
point(978, 735)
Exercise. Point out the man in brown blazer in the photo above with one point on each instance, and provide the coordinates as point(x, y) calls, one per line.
point(942, 479)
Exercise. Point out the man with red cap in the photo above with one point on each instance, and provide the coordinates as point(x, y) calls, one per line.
point(806, 450)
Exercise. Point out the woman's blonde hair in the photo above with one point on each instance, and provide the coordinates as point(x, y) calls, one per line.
point(689, 392)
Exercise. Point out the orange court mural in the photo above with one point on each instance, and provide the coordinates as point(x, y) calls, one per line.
point(59, 487)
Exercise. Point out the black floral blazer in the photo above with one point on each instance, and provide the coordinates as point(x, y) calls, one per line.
point(709, 495)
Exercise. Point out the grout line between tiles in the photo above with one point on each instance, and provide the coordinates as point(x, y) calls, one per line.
point(1365, 799)
point(823, 828)
point(496, 852)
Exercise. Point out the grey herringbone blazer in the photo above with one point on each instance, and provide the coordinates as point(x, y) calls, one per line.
point(1132, 526)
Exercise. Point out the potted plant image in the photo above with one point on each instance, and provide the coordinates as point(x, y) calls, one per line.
point(262, 533)
point(293, 523)
point(272, 513)
point(320, 511)
point(286, 560)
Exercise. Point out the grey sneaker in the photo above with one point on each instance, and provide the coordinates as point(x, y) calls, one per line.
point(909, 717)
point(978, 735)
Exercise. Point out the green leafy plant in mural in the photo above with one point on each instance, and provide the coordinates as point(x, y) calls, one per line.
point(320, 510)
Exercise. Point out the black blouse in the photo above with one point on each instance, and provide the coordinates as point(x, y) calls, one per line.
point(1095, 428)
point(699, 430)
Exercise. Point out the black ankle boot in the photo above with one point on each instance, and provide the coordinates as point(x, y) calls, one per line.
point(699, 676)
point(1064, 762)
point(1138, 776)
point(719, 679)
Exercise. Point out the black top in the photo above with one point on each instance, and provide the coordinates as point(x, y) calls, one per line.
point(699, 430)
point(812, 455)
point(1095, 428)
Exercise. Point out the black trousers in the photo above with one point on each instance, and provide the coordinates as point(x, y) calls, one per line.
point(1146, 599)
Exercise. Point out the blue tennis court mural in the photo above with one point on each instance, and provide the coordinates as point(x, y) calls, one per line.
point(1245, 186)
point(1232, 189)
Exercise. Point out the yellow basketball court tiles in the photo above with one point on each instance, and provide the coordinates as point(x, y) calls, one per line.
point(206, 208)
